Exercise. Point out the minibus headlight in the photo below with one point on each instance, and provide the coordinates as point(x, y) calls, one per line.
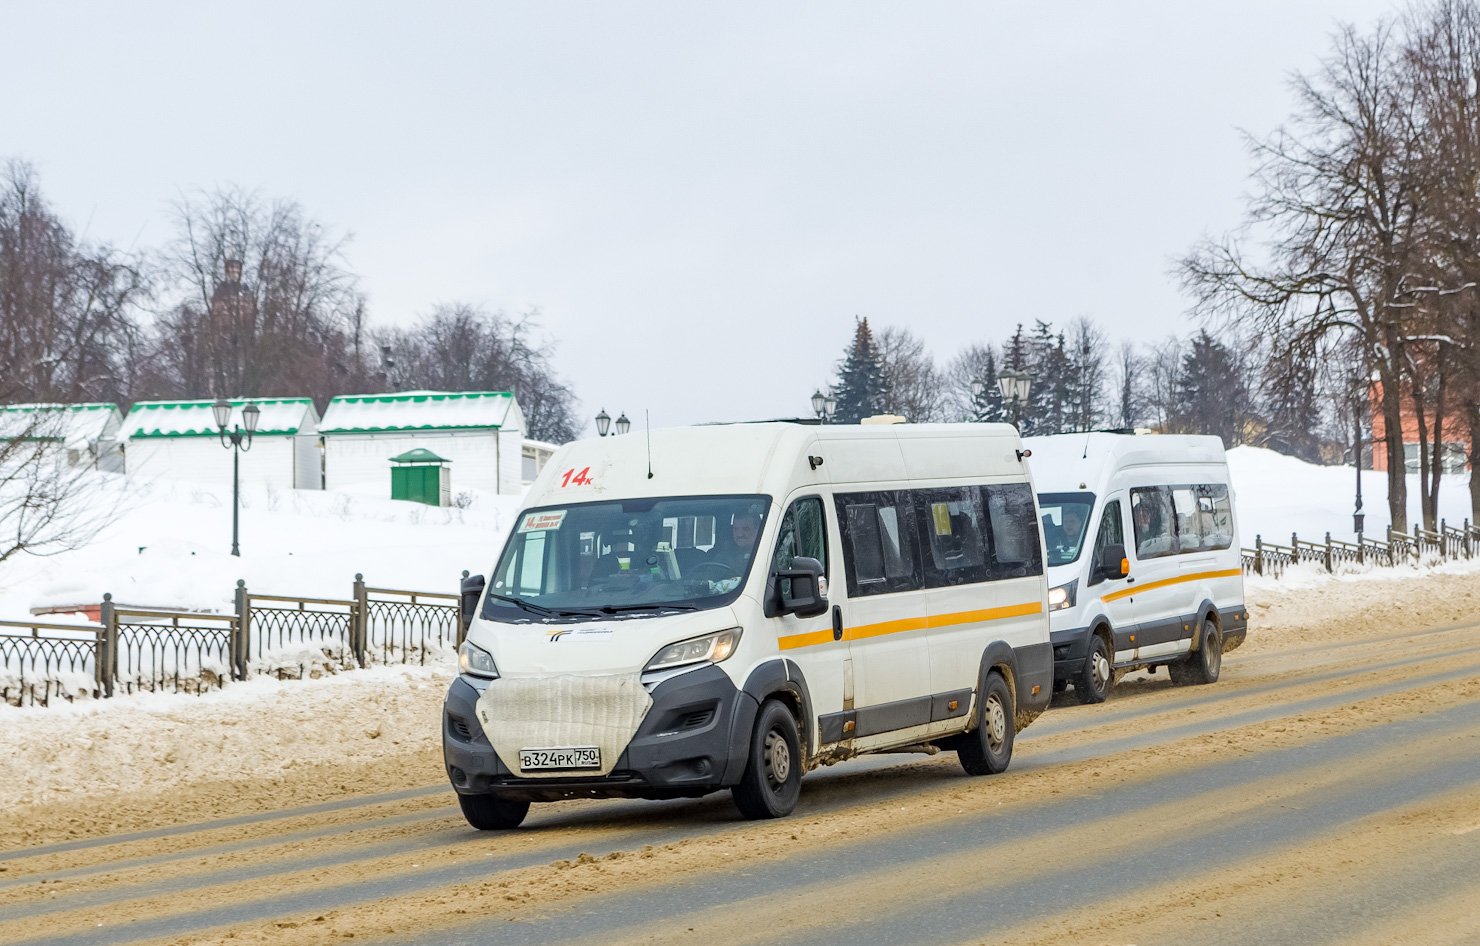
point(475, 661)
point(1062, 596)
point(711, 648)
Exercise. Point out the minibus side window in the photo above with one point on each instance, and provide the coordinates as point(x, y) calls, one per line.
point(803, 532)
point(878, 542)
point(952, 524)
point(1216, 513)
point(1112, 532)
point(1189, 531)
point(1151, 518)
point(1013, 518)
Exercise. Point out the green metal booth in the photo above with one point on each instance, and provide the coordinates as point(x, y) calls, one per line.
point(422, 477)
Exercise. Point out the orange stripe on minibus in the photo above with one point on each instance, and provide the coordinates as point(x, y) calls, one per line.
point(912, 624)
point(1127, 592)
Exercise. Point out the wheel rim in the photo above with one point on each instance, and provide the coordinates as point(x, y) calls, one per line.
point(1212, 653)
point(778, 759)
point(1101, 669)
point(996, 724)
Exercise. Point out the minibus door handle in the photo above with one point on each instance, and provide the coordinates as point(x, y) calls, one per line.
point(837, 623)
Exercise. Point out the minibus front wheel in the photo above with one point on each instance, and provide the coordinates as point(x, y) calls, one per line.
point(772, 782)
point(987, 749)
point(492, 813)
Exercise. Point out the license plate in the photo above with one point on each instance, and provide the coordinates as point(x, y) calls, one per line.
point(571, 757)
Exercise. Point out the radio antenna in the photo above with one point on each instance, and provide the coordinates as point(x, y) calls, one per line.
point(648, 423)
point(1086, 445)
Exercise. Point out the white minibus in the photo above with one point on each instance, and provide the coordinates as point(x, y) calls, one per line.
point(726, 607)
point(1142, 549)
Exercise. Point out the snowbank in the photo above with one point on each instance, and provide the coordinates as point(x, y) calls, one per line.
point(1278, 495)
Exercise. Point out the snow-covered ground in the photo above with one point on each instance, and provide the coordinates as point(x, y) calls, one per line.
point(1278, 495)
point(170, 541)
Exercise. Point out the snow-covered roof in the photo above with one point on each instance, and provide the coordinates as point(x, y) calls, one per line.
point(76, 425)
point(280, 416)
point(418, 410)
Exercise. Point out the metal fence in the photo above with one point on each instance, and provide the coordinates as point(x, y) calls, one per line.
point(400, 626)
point(165, 650)
point(1398, 548)
point(133, 649)
point(40, 662)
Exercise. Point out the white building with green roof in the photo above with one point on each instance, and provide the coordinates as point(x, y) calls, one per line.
point(180, 440)
point(87, 432)
point(479, 433)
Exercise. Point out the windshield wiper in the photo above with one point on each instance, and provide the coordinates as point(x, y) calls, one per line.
point(521, 603)
point(617, 608)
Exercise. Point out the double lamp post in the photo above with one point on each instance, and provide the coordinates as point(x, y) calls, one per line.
point(238, 440)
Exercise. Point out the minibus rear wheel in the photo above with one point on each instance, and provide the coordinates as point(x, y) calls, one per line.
point(1094, 681)
point(772, 782)
point(987, 749)
point(492, 813)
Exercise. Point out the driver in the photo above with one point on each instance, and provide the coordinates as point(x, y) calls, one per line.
point(1073, 527)
point(744, 530)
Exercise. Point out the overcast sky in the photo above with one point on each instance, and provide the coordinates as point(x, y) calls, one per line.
point(699, 198)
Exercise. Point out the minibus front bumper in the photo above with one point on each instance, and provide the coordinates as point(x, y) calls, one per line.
point(1070, 651)
point(693, 741)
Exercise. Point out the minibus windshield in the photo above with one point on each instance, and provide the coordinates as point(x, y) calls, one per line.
point(624, 558)
point(1065, 520)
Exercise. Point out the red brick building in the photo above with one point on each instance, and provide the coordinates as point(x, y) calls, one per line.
point(1455, 434)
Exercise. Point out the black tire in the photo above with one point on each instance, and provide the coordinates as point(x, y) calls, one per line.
point(1204, 664)
point(987, 749)
point(1098, 675)
point(772, 782)
point(492, 813)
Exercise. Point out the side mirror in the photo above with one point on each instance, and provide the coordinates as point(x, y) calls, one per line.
point(1116, 565)
point(805, 598)
point(472, 590)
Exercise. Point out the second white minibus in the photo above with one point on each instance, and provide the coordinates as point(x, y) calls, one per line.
point(1141, 545)
point(727, 607)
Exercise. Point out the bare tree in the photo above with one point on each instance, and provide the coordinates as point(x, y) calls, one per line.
point(64, 305)
point(45, 504)
point(462, 347)
point(1338, 200)
point(913, 386)
point(264, 302)
point(975, 363)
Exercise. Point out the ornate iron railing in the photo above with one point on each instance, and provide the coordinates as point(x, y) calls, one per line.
point(282, 630)
point(167, 650)
point(40, 662)
point(1269, 559)
point(404, 626)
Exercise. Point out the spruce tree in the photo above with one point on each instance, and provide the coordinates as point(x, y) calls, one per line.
point(987, 406)
point(1210, 396)
point(860, 390)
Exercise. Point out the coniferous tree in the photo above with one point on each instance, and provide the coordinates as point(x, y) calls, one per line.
point(860, 390)
point(987, 406)
point(1210, 396)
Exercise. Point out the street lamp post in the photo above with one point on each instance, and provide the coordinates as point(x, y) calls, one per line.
point(1357, 515)
point(623, 424)
point(1014, 386)
point(823, 407)
point(603, 422)
point(238, 441)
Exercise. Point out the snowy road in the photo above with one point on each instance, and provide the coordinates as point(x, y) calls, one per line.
point(1318, 794)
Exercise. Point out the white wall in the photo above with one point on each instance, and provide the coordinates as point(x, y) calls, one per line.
point(270, 461)
point(480, 459)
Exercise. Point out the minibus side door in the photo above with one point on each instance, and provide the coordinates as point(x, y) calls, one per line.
point(886, 612)
point(813, 643)
point(1154, 593)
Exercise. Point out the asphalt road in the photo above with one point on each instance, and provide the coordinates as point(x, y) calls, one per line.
point(1325, 794)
